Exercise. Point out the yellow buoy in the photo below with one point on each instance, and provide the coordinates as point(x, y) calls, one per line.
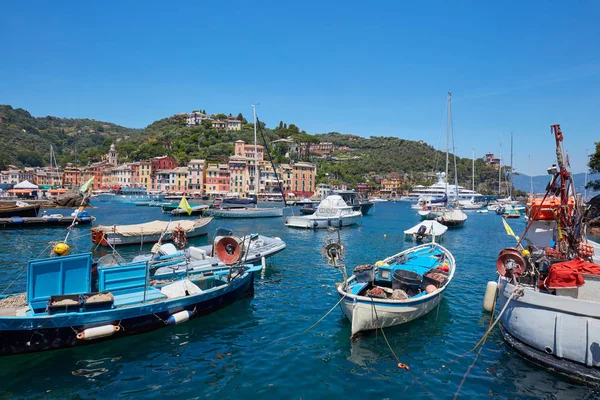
point(61, 249)
point(525, 253)
point(379, 263)
point(384, 235)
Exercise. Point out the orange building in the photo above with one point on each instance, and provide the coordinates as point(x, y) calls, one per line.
point(303, 179)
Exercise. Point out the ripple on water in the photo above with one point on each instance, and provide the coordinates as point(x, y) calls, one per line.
point(258, 347)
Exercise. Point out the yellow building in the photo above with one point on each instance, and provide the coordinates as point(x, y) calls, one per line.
point(303, 178)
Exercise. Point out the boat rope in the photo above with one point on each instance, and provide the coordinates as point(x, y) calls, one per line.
point(400, 364)
point(516, 292)
point(272, 164)
point(313, 325)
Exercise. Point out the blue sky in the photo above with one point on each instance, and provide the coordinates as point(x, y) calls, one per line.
point(379, 69)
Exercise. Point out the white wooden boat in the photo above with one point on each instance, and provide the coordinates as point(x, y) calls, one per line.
point(375, 301)
point(426, 230)
point(333, 211)
point(149, 232)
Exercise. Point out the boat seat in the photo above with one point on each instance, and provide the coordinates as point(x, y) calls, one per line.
point(135, 296)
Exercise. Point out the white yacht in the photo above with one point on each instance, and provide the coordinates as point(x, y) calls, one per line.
point(437, 191)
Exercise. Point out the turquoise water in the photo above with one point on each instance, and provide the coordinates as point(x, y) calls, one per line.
point(257, 348)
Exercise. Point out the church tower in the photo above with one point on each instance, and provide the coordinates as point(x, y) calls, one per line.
point(112, 155)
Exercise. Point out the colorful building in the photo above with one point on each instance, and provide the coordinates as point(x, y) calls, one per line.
point(303, 179)
point(217, 180)
point(195, 176)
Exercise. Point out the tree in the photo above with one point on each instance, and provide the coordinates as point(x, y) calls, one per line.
point(594, 165)
point(220, 116)
point(207, 124)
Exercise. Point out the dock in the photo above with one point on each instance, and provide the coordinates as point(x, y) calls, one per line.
point(49, 221)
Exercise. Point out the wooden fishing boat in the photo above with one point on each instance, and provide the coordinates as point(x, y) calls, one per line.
point(64, 306)
point(149, 232)
point(549, 284)
point(24, 210)
point(398, 289)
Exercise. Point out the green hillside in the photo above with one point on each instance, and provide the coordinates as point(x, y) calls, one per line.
point(25, 140)
point(366, 159)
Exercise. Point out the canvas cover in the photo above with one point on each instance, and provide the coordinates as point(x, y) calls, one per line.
point(149, 228)
point(331, 206)
point(568, 274)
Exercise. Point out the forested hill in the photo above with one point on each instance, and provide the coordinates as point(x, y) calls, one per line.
point(25, 140)
point(381, 155)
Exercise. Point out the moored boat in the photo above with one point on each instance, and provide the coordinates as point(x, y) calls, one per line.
point(398, 289)
point(332, 211)
point(245, 212)
point(149, 232)
point(549, 285)
point(66, 305)
point(20, 209)
point(426, 230)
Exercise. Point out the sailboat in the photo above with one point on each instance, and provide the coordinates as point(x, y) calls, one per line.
point(470, 204)
point(451, 217)
point(250, 210)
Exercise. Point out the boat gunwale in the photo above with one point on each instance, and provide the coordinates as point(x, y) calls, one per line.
point(409, 301)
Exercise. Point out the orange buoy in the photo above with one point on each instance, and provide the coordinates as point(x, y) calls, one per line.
point(403, 366)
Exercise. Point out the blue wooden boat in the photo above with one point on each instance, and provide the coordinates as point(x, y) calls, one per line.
point(66, 304)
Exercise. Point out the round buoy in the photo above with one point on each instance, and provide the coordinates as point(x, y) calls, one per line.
point(61, 249)
point(430, 289)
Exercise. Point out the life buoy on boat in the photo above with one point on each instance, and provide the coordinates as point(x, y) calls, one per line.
point(179, 238)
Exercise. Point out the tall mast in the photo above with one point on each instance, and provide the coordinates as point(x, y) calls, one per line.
point(473, 170)
point(500, 171)
point(448, 139)
point(255, 154)
point(511, 166)
point(530, 176)
point(454, 156)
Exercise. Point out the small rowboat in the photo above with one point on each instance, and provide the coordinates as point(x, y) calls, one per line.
point(401, 288)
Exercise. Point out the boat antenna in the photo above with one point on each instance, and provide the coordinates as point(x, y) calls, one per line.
point(272, 163)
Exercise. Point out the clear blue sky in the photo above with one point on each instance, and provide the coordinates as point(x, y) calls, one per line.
point(368, 68)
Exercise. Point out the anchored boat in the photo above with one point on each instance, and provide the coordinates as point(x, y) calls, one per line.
point(396, 290)
point(149, 232)
point(426, 230)
point(333, 211)
point(549, 286)
point(65, 306)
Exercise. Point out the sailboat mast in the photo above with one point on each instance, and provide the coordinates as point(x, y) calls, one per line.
point(511, 166)
point(448, 139)
point(454, 156)
point(255, 154)
point(500, 171)
point(473, 170)
point(530, 176)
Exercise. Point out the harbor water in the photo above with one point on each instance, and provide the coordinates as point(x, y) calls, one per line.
point(260, 347)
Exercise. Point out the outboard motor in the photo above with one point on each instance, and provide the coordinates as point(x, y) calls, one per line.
point(421, 232)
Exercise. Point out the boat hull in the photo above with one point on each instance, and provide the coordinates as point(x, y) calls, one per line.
point(107, 238)
point(246, 213)
point(64, 327)
point(366, 315)
point(309, 222)
point(558, 332)
point(126, 198)
point(24, 211)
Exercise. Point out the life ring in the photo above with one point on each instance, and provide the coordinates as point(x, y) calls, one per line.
point(179, 238)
